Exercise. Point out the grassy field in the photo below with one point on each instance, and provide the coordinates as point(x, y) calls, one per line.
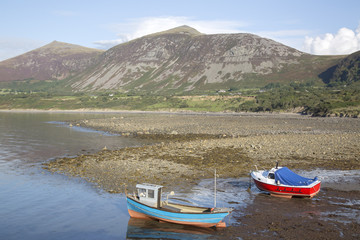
point(316, 101)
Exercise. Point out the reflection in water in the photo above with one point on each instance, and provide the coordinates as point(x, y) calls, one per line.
point(151, 229)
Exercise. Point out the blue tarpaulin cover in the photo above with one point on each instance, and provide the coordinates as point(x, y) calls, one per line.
point(288, 177)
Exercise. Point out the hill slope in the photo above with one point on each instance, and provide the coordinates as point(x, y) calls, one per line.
point(182, 59)
point(56, 60)
point(346, 72)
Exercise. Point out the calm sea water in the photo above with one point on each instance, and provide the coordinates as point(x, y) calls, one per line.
point(38, 205)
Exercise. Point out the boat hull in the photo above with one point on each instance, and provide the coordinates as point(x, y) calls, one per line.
point(139, 210)
point(149, 229)
point(288, 191)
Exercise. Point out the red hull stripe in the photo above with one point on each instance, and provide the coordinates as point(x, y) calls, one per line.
point(288, 190)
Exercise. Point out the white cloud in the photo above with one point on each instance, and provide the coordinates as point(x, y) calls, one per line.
point(345, 41)
point(136, 28)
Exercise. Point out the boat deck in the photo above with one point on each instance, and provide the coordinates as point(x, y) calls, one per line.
point(184, 209)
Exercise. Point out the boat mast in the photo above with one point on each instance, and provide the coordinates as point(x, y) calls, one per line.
point(215, 189)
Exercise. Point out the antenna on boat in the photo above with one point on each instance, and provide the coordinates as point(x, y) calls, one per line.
point(249, 188)
point(277, 165)
point(215, 189)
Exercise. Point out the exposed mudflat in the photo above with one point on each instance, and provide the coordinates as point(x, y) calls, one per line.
point(188, 147)
point(332, 214)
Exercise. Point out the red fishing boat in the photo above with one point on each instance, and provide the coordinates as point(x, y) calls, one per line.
point(282, 182)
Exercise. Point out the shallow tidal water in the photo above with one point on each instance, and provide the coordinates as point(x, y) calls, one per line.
point(36, 204)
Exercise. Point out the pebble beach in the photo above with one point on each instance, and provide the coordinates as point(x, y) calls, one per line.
point(190, 146)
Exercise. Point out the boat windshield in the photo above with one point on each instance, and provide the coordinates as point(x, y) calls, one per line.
point(271, 176)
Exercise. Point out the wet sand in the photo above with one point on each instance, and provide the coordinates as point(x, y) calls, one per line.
point(188, 147)
point(332, 214)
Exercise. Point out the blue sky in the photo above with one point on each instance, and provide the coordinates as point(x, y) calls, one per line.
point(319, 26)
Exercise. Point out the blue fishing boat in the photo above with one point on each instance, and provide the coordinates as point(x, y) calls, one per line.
point(147, 204)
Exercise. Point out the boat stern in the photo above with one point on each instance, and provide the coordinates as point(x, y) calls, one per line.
point(221, 224)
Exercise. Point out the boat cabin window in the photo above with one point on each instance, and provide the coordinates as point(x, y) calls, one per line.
point(146, 193)
point(142, 192)
point(151, 193)
point(271, 176)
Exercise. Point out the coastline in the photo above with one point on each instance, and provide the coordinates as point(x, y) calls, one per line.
point(186, 148)
point(190, 146)
point(109, 110)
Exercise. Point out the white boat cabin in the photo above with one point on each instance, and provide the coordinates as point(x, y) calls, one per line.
point(271, 174)
point(149, 194)
point(266, 176)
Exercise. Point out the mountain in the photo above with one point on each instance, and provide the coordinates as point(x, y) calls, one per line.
point(54, 61)
point(347, 71)
point(179, 60)
point(182, 59)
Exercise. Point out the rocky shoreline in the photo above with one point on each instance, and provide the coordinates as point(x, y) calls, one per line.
point(186, 148)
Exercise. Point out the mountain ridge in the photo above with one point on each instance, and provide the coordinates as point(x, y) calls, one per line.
point(178, 60)
point(173, 60)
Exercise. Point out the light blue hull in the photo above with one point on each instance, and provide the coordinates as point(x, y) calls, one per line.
point(207, 219)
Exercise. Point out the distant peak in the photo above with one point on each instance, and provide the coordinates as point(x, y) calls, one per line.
point(184, 29)
point(57, 44)
point(63, 46)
